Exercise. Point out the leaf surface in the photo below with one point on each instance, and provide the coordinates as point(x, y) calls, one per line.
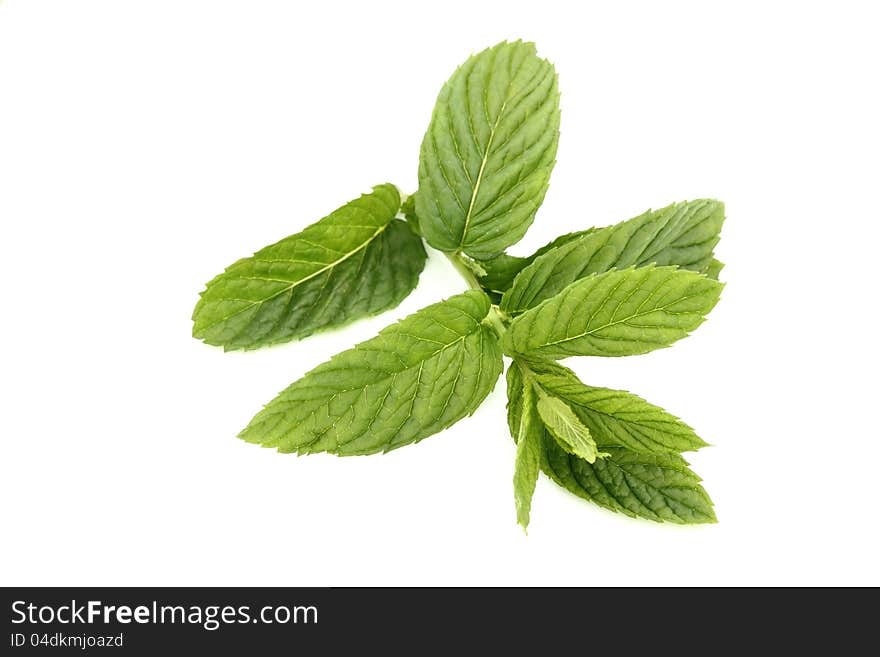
point(357, 261)
point(515, 387)
point(618, 313)
point(658, 487)
point(488, 152)
point(414, 379)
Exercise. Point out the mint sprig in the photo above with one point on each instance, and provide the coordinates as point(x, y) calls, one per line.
point(621, 290)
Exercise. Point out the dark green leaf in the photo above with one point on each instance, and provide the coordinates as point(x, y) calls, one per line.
point(529, 437)
point(713, 269)
point(618, 313)
point(566, 427)
point(658, 487)
point(357, 261)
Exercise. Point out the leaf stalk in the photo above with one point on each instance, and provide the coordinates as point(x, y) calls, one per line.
point(497, 318)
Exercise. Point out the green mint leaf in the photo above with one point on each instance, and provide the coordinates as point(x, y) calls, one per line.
point(487, 155)
point(515, 387)
point(414, 379)
point(683, 234)
point(502, 269)
point(529, 437)
point(618, 313)
point(616, 418)
point(658, 487)
point(408, 210)
point(567, 428)
point(357, 261)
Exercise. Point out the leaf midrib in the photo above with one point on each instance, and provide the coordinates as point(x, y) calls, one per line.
point(623, 320)
point(492, 130)
point(293, 284)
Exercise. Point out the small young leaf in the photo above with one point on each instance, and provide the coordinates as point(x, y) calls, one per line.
point(529, 437)
point(515, 387)
point(502, 269)
point(408, 210)
point(619, 313)
point(414, 379)
point(357, 261)
point(487, 155)
point(683, 234)
point(617, 418)
point(658, 487)
point(565, 426)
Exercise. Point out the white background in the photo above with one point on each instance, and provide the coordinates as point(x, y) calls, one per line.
point(144, 146)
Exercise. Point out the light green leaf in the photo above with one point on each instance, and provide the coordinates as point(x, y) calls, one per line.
point(414, 379)
point(618, 313)
point(565, 426)
point(528, 436)
point(683, 234)
point(502, 269)
point(616, 418)
point(658, 487)
point(357, 261)
point(487, 155)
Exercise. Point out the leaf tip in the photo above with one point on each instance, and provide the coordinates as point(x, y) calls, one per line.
point(710, 518)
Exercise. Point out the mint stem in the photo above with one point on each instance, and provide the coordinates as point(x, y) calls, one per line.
point(497, 318)
point(458, 261)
